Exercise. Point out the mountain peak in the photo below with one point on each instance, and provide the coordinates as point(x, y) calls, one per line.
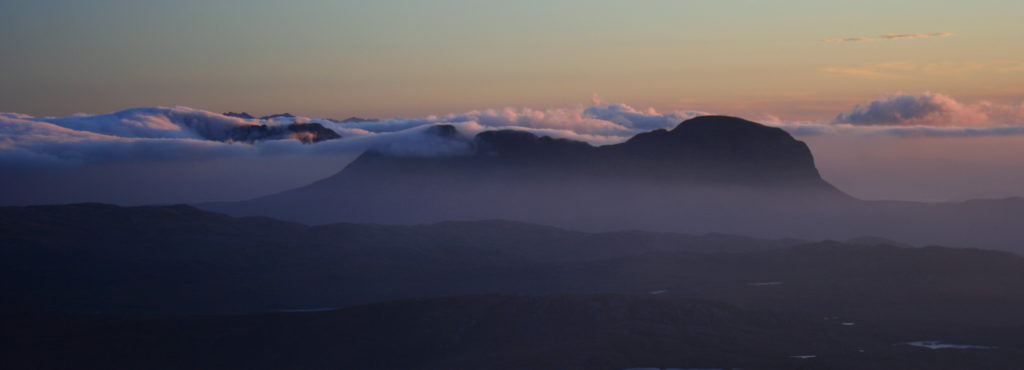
point(242, 115)
point(523, 143)
point(279, 115)
point(724, 125)
point(726, 148)
point(442, 130)
point(703, 165)
point(354, 119)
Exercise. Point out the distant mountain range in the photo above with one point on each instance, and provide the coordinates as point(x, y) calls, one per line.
point(307, 133)
point(709, 174)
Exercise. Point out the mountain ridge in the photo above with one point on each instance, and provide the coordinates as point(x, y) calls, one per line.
point(708, 174)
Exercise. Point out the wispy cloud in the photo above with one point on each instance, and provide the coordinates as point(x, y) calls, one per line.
point(890, 36)
point(851, 39)
point(904, 69)
point(901, 36)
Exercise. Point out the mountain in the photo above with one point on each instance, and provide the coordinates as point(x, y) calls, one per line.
point(353, 120)
point(698, 167)
point(709, 174)
point(242, 115)
point(279, 115)
point(307, 133)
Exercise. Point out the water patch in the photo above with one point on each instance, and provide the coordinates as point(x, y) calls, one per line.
point(934, 344)
point(316, 309)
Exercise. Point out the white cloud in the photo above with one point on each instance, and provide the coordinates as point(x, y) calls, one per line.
point(931, 109)
point(182, 133)
point(154, 122)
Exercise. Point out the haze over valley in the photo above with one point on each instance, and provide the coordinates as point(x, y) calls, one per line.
point(481, 184)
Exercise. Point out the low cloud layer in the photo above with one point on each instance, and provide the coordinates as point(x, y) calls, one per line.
point(890, 36)
point(183, 134)
point(177, 154)
point(187, 134)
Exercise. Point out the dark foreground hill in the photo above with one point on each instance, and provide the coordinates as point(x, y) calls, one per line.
point(501, 332)
point(177, 259)
point(709, 174)
point(99, 286)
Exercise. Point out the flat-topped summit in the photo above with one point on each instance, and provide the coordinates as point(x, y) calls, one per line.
point(707, 164)
point(726, 125)
point(710, 149)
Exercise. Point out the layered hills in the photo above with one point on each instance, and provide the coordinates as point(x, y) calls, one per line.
point(100, 286)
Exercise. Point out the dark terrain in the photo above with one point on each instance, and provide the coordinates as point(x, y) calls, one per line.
point(99, 286)
point(502, 332)
point(385, 279)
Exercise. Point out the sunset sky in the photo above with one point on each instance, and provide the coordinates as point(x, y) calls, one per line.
point(917, 100)
point(414, 58)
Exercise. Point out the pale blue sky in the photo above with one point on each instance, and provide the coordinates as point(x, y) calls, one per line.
point(389, 58)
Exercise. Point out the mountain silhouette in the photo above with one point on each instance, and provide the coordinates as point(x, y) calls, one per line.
point(512, 174)
point(353, 120)
point(307, 133)
point(708, 174)
point(278, 115)
point(242, 115)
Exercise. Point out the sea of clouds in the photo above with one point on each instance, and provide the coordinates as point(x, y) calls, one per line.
point(182, 133)
point(181, 154)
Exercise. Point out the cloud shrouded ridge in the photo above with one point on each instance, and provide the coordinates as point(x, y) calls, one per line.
point(182, 133)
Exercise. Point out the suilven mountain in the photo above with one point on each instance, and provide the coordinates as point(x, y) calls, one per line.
point(709, 174)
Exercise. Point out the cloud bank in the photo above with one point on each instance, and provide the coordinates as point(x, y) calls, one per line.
point(932, 109)
point(188, 134)
point(184, 134)
point(175, 154)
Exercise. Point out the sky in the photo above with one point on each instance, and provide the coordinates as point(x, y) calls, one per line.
point(413, 58)
point(916, 100)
